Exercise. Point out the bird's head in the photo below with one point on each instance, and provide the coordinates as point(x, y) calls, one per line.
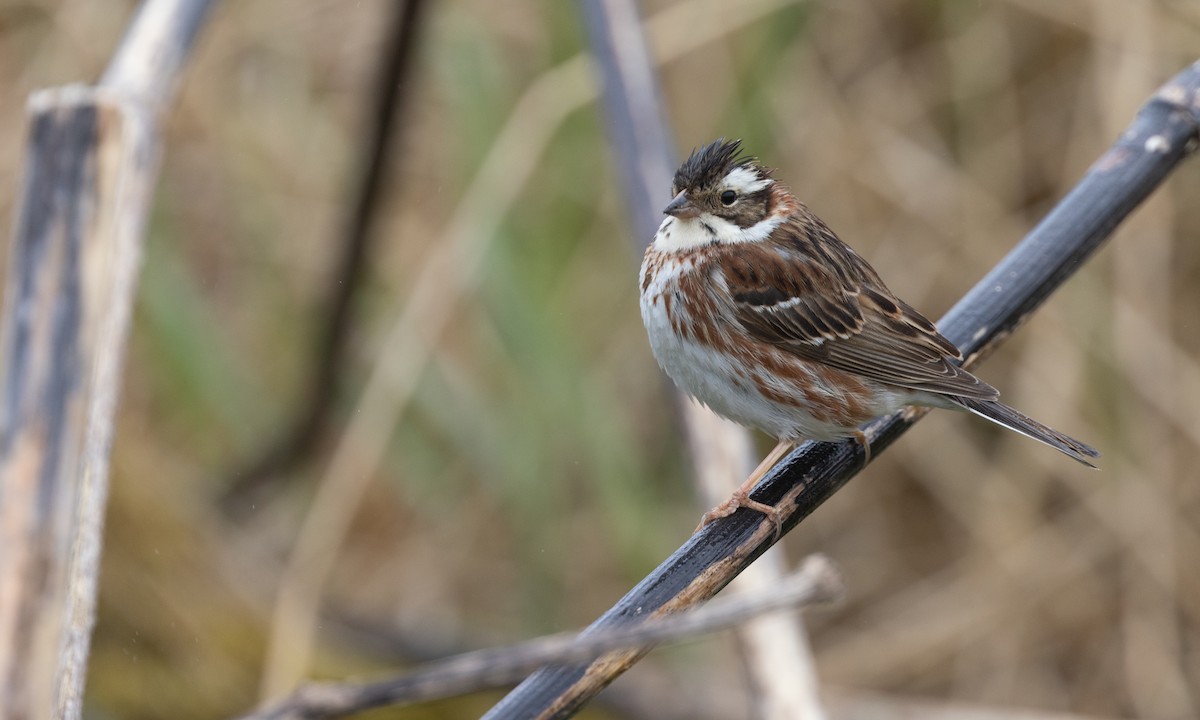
point(720, 195)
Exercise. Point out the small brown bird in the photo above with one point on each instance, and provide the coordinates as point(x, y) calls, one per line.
point(755, 308)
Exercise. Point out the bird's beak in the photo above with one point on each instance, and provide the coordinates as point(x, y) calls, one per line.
point(681, 206)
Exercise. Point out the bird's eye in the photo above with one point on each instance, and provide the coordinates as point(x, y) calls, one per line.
point(728, 197)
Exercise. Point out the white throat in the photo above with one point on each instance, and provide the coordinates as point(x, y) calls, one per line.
point(676, 234)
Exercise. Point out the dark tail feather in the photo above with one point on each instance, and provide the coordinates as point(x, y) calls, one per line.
point(1012, 419)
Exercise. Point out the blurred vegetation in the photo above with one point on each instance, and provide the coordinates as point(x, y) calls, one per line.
point(536, 471)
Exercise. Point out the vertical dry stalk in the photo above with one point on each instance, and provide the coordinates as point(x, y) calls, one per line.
point(92, 160)
point(777, 657)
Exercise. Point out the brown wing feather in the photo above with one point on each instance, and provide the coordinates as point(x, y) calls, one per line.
point(813, 295)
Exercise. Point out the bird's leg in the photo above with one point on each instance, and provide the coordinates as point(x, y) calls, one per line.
point(741, 496)
point(861, 437)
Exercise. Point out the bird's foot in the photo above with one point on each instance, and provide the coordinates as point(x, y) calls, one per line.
point(741, 499)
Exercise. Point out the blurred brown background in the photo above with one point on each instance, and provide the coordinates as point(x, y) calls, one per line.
point(504, 459)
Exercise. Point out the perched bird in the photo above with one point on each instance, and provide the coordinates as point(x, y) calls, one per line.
point(754, 307)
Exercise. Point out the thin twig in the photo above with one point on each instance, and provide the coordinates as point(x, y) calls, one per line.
point(817, 581)
point(1165, 131)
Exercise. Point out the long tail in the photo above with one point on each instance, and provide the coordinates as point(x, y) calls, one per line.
point(1013, 419)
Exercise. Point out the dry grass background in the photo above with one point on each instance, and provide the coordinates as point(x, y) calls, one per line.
point(516, 465)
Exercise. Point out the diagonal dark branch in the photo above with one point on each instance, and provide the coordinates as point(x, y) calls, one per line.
point(392, 86)
point(1165, 131)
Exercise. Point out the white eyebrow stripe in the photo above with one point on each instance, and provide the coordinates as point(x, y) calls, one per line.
point(745, 181)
